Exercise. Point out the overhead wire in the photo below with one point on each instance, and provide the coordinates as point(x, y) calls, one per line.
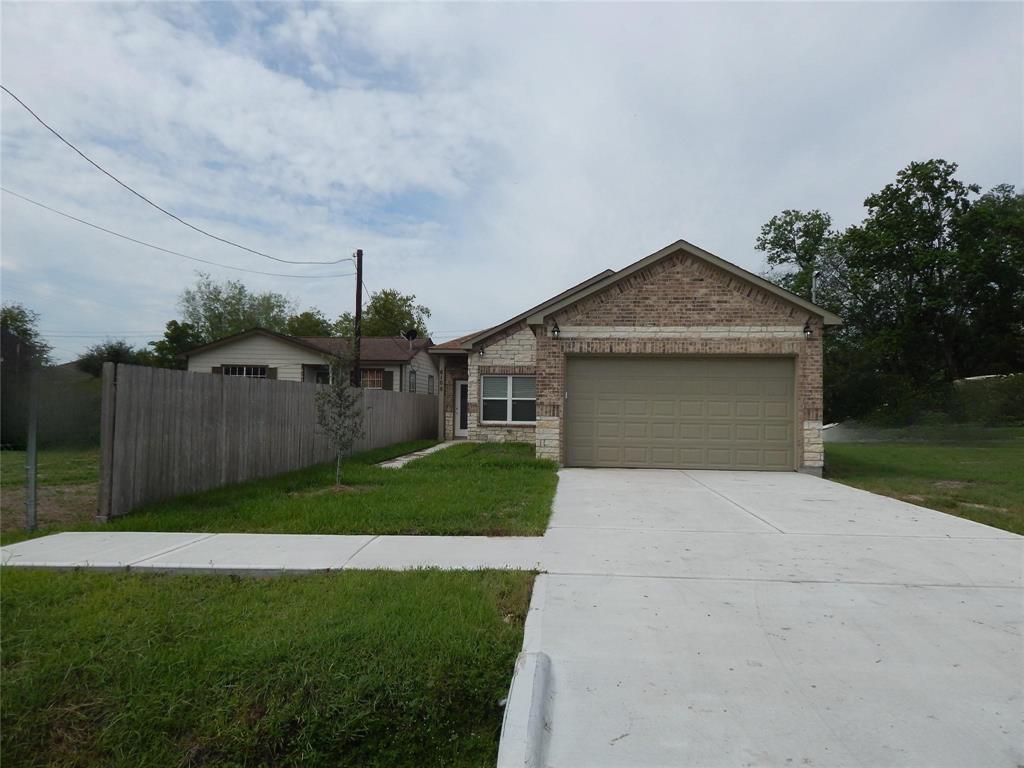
point(145, 199)
point(168, 250)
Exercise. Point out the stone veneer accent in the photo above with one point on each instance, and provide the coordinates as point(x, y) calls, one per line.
point(681, 305)
point(512, 352)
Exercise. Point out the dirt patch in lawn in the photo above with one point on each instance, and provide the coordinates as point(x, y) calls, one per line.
point(950, 484)
point(332, 489)
point(57, 506)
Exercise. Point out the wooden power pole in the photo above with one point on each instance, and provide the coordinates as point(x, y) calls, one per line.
point(357, 373)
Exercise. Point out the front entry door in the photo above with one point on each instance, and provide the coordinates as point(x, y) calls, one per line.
point(461, 408)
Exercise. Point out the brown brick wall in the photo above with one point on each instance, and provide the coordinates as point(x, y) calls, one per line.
point(702, 310)
point(682, 290)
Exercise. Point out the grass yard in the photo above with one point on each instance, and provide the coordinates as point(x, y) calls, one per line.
point(978, 475)
point(470, 489)
point(66, 486)
point(342, 669)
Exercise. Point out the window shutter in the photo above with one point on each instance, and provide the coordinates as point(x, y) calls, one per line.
point(389, 380)
point(271, 373)
point(215, 370)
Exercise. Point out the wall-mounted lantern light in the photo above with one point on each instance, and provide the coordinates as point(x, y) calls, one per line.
point(808, 332)
point(480, 351)
point(555, 330)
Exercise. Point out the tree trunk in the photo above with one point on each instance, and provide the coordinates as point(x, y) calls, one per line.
point(337, 470)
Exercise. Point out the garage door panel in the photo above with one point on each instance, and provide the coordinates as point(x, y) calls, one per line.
point(633, 407)
point(680, 412)
point(635, 429)
point(748, 432)
point(722, 409)
point(720, 432)
point(749, 409)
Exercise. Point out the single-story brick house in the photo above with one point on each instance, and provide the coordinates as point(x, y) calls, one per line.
point(386, 362)
point(680, 360)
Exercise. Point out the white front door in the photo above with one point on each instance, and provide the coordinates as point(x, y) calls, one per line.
point(461, 403)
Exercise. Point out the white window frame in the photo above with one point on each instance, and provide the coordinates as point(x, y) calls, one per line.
point(363, 377)
point(245, 371)
point(508, 398)
point(430, 384)
point(412, 379)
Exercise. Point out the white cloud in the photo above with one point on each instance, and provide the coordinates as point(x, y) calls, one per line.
point(484, 156)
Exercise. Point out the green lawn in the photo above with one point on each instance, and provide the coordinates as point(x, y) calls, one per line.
point(470, 489)
point(979, 476)
point(65, 466)
point(342, 669)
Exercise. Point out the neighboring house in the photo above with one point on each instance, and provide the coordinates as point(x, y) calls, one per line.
point(680, 360)
point(391, 363)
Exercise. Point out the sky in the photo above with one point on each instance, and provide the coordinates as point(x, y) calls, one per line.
point(483, 156)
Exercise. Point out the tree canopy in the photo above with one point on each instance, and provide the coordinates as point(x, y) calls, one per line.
point(388, 313)
point(24, 323)
point(216, 310)
point(930, 287)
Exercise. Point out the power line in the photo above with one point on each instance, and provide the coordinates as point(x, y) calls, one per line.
point(150, 202)
point(166, 250)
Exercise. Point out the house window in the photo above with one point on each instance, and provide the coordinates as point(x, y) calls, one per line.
point(373, 378)
point(251, 371)
point(430, 384)
point(509, 399)
point(412, 380)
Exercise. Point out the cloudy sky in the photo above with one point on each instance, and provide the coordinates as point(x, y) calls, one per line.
point(483, 156)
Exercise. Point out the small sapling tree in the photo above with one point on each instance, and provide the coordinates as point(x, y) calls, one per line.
point(340, 413)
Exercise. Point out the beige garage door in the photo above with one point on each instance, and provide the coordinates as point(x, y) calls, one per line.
point(690, 413)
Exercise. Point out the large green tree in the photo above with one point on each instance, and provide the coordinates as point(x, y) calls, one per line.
point(388, 313)
point(218, 309)
point(930, 286)
point(112, 351)
point(309, 323)
point(178, 338)
point(23, 322)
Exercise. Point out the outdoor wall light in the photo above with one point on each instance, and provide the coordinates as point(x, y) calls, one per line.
point(480, 352)
point(555, 330)
point(808, 332)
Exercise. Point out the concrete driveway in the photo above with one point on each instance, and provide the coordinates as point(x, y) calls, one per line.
point(739, 618)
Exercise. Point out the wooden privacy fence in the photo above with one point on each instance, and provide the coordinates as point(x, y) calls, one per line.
point(165, 433)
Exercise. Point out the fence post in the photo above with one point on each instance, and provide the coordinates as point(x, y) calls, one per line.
point(31, 450)
point(108, 406)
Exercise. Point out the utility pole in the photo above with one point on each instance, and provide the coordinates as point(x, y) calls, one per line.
point(357, 374)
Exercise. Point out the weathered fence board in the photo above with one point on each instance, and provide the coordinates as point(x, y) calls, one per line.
point(165, 433)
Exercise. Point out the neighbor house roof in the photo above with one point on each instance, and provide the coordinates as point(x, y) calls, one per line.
point(372, 349)
point(536, 315)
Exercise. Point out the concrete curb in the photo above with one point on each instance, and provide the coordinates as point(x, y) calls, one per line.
point(527, 720)
point(525, 726)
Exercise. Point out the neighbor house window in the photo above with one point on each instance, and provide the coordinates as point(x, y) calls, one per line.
point(509, 398)
point(373, 378)
point(412, 380)
point(430, 384)
point(252, 371)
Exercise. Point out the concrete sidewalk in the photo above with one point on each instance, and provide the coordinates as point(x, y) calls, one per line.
point(401, 461)
point(240, 553)
point(714, 619)
point(723, 619)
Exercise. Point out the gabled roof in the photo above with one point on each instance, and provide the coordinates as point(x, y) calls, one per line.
point(537, 317)
point(464, 343)
point(599, 282)
point(372, 349)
